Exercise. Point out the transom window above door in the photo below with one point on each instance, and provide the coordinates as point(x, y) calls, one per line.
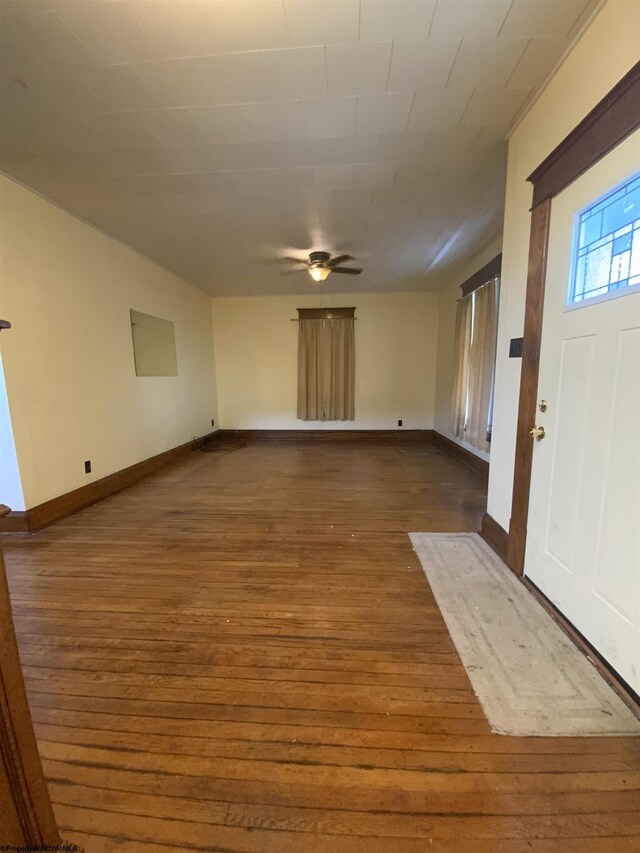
point(606, 246)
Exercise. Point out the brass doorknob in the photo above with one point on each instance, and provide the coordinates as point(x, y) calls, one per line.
point(537, 432)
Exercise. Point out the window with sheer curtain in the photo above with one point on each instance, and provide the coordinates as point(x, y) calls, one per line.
point(326, 364)
point(474, 365)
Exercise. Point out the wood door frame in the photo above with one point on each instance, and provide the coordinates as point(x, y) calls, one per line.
point(482, 276)
point(27, 809)
point(611, 121)
point(26, 813)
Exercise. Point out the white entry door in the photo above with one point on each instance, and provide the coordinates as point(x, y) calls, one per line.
point(583, 540)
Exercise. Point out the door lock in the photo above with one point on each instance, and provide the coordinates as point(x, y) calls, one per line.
point(543, 405)
point(537, 432)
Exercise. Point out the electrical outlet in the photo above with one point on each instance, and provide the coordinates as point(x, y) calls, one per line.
point(515, 347)
point(87, 466)
point(399, 423)
point(213, 422)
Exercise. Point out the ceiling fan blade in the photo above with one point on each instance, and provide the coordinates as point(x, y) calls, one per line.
point(339, 260)
point(291, 260)
point(347, 270)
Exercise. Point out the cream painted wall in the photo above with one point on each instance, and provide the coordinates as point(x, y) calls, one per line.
point(73, 393)
point(256, 347)
point(604, 54)
point(448, 298)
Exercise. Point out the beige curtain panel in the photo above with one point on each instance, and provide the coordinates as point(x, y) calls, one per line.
point(482, 361)
point(326, 370)
point(462, 348)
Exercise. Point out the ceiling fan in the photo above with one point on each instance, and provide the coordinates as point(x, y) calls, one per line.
point(320, 265)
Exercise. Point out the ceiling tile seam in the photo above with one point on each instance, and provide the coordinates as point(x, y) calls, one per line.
point(519, 62)
point(258, 169)
point(55, 13)
point(386, 86)
point(326, 71)
point(90, 53)
point(141, 25)
point(536, 92)
point(202, 106)
point(433, 17)
point(190, 107)
point(379, 149)
point(140, 78)
point(464, 111)
point(526, 42)
point(423, 150)
point(576, 23)
point(406, 124)
point(454, 60)
point(286, 22)
point(358, 117)
point(502, 25)
point(149, 128)
point(200, 127)
point(438, 170)
point(453, 64)
point(304, 119)
point(477, 136)
point(531, 98)
point(195, 57)
point(301, 117)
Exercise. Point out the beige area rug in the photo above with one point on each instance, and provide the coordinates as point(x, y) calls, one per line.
point(529, 677)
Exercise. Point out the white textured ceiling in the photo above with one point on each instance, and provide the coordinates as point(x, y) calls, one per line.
point(216, 135)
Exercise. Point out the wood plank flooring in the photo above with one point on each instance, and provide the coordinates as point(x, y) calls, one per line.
point(242, 654)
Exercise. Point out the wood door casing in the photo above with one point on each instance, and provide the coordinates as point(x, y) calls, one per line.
point(536, 277)
point(583, 547)
point(610, 122)
point(26, 815)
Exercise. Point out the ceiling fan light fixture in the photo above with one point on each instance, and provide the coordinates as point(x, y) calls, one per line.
point(319, 272)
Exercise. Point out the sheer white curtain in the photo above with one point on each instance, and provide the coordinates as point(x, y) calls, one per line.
point(482, 362)
point(462, 348)
point(326, 370)
point(474, 365)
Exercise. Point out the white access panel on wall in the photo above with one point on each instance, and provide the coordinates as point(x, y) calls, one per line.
point(583, 540)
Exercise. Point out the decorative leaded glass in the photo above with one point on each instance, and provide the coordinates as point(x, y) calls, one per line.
point(607, 244)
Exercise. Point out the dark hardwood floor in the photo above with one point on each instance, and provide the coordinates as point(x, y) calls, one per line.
point(242, 654)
